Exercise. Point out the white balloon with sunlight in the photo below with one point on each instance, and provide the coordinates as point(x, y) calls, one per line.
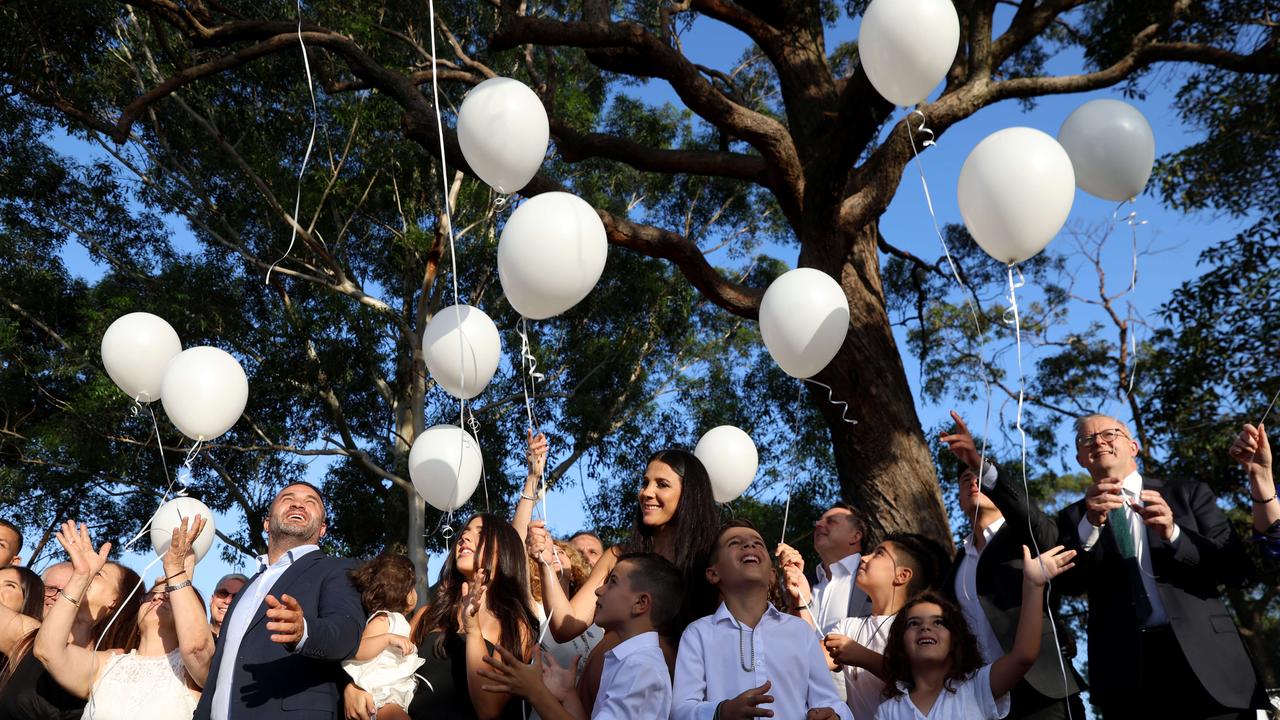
point(551, 254)
point(461, 348)
point(731, 459)
point(1112, 148)
point(1015, 192)
point(204, 392)
point(445, 466)
point(503, 133)
point(804, 317)
point(907, 46)
point(170, 516)
point(136, 350)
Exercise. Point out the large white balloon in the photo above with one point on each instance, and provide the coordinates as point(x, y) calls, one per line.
point(136, 349)
point(445, 466)
point(1111, 148)
point(462, 348)
point(1015, 191)
point(170, 516)
point(907, 46)
point(204, 392)
point(503, 133)
point(804, 317)
point(731, 460)
point(551, 253)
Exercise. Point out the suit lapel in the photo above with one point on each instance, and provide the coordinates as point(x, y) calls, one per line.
point(285, 583)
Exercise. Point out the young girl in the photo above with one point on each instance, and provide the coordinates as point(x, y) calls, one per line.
point(387, 659)
point(932, 662)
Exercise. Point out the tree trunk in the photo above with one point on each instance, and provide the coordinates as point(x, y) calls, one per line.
point(416, 543)
point(884, 464)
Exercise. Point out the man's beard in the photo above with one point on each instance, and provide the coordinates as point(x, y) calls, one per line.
point(282, 529)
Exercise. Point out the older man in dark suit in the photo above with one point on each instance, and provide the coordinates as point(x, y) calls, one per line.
point(288, 630)
point(1152, 554)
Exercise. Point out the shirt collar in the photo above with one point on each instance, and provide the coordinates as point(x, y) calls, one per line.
point(723, 615)
point(848, 564)
point(635, 644)
point(286, 559)
point(1133, 484)
point(988, 532)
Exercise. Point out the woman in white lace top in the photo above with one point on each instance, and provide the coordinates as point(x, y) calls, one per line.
point(159, 675)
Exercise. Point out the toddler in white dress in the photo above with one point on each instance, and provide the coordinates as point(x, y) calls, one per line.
point(387, 659)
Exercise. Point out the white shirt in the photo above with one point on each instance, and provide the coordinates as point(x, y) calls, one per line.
point(635, 682)
point(967, 594)
point(862, 687)
point(831, 593)
point(1089, 536)
point(237, 623)
point(720, 658)
point(972, 700)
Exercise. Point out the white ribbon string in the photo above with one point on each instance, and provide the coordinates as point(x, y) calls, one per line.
point(1267, 414)
point(529, 366)
point(306, 157)
point(831, 398)
point(795, 433)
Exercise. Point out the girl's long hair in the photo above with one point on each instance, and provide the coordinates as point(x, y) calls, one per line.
point(33, 607)
point(501, 553)
point(694, 526)
point(965, 657)
point(123, 633)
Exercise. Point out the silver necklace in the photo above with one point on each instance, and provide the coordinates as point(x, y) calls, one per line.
point(742, 653)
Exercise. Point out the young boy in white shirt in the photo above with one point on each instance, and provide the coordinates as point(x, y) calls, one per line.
point(749, 654)
point(641, 596)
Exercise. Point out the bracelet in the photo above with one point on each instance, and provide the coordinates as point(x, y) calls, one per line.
point(180, 572)
point(533, 498)
point(70, 599)
point(1263, 502)
point(179, 586)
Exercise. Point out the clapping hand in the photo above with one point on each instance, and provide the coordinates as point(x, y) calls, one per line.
point(180, 557)
point(1050, 564)
point(510, 675)
point(85, 561)
point(285, 620)
point(473, 601)
point(747, 705)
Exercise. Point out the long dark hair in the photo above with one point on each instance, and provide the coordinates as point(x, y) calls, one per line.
point(501, 553)
point(33, 607)
point(123, 633)
point(965, 658)
point(694, 527)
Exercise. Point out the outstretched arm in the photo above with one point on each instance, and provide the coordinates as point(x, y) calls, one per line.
point(73, 667)
point(568, 618)
point(1252, 449)
point(1009, 668)
point(195, 640)
point(537, 459)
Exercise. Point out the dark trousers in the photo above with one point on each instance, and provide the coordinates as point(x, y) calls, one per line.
point(1027, 704)
point(1164, 685)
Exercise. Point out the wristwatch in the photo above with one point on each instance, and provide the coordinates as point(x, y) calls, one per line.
point(179, 586)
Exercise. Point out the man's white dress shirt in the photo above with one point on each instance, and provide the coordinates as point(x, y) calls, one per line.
point(831, 592)
point(967, 594)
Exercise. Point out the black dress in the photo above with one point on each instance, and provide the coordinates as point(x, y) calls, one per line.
point(32, 694)
point(447, 698)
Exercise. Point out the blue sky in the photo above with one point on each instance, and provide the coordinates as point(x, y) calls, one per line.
point(907, 223)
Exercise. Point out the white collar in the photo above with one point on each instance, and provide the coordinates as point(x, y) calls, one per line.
point(848, 563)
point(987, 533)
point(723, 615)
point(1133, 484)
point(635, 644)
point(286, 559)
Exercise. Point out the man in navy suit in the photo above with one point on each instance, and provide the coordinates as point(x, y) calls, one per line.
point(1152, 554)
point(288, 630)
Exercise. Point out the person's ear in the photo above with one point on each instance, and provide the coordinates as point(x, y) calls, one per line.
point(266, 524)
point(17, 560)
point(857, 538)
point(903, 576)
point(642, 604)
point(323, 529)
point(713, 575)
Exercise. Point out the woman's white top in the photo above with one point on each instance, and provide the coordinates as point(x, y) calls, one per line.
point(141, 687)
point(971, 700)
point(862, 688)
point(388, 676)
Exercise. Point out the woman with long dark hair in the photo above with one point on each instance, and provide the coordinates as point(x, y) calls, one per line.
point(21, 605)
point(676, 517)
point(481, 600)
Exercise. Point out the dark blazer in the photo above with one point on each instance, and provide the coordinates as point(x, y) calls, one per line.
point(1187, 575)
point(270, 681)
point(999, 585)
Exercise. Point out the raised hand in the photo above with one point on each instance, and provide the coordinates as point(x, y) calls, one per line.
point(1252, 449)
point(1101, 498)
point(537, 453)
point(797, 585)
point(537, 540)
point(285, 620)
point(85, 561)
point(473, 601)
point(559, 680)
point(960, 442)
point(180, 557)
point(1050, 564)
point(789, 556)
point(747, 705)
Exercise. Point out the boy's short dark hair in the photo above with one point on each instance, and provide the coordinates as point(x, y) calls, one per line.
point(725, 527)
point(660, 578)
point(923, 555)
point(16, 531)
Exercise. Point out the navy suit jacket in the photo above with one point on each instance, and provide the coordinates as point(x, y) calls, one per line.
point(1187, 575)
point(272, 682)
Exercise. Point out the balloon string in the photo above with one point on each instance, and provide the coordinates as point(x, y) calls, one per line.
point(1267, 414)
point(306, 157)
point(529, 364)
point(831, 398)
point(164, 497)
point(1026, 488)
point(474, 424)
point(795, 432)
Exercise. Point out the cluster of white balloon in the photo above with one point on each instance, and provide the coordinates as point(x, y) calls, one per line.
point(203, 390)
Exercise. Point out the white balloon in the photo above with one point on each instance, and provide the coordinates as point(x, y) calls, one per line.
point(462, 348)
point(804, 317)
point(907, 46)
point(136, 349)
point(731, 460)
point(204, 392)
point(503, 133)
point(1015, 192)
point(170, 516)
point(1111, 148)
point(445, 466)
point(550, 255)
